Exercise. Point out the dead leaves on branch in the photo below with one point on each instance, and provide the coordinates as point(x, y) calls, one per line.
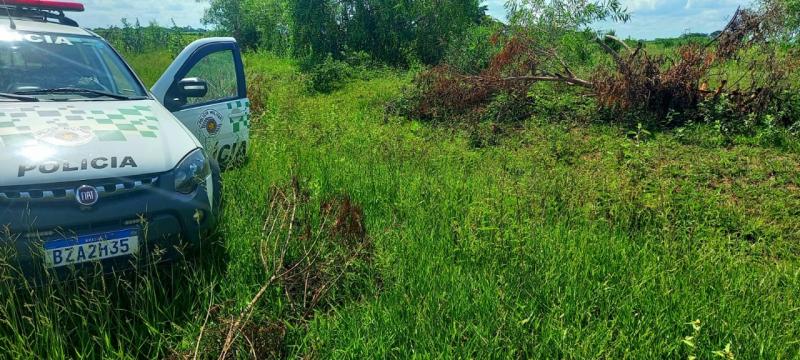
point(743, 64)
point(661, 84)
point(313, 257)
point(655, 83)
point(444, 93)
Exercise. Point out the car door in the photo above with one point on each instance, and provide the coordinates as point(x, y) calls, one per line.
point(205, 89)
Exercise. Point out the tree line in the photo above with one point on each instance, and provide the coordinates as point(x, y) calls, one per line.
point(134, 38)
point(395, 32)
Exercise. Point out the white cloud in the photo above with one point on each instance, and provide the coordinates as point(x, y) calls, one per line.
point(110, 12)
point(650, 18)
point(668, 18)
point(496, 8)
point(635, 5)
point(663, 18)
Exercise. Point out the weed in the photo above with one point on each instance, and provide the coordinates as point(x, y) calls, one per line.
point(560, 240)
point(329, 74)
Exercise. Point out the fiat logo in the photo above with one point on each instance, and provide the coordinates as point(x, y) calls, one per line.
point(87, 195)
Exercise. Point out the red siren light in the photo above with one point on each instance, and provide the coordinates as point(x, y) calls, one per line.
point(45, 5)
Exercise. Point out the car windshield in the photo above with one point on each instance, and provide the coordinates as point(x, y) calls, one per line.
point(58, 67)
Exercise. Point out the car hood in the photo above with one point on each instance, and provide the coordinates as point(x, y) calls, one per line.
point(53, 142)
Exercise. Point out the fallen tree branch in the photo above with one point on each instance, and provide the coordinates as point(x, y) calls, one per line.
point(618, 40)
point(534, 78)
point(556, 78)
point(621, 64)
point(726, 28)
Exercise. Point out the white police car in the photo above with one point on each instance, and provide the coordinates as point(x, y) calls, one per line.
point(93, 166)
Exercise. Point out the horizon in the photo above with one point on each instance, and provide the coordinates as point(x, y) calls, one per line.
point(650, 19)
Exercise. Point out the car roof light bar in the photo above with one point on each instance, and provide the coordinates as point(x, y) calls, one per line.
point(52, 5)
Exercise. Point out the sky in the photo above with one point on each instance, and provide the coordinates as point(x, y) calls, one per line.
point(100, 13)
point(650, 18)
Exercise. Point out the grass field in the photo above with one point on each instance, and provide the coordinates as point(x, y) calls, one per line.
point(402, 239)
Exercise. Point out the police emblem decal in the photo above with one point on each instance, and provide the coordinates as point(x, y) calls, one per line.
point(210, 122)
point(65, 136)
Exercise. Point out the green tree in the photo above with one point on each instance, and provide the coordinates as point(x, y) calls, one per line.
point(790, 11)
point(273, 21)
point(316, 31)
point(560, 30)
point(390, 31)
point(438, 22)
point(555, 17)
point(231, 16)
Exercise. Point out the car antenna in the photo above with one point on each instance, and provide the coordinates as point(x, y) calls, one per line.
point(11, 23)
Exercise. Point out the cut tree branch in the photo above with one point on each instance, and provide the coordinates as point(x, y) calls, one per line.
point(535, 78)
point(556, 78)
point(618, 40)
point(726, 28)
point(621, 64)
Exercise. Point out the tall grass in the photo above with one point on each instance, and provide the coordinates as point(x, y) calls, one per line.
point(559, 241)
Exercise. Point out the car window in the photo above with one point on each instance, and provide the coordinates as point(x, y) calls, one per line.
point(219, 70)
point(121, 77)
point(37, 61)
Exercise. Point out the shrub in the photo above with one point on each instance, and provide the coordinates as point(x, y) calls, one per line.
point(741, 79)
point(329, 75)
point(474, 51)
point(133, 38)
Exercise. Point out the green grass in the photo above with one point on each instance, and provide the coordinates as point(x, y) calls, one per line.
point(150, 66)
point(559, 241)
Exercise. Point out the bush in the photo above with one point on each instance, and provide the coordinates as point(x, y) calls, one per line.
point(509, 107)
point(722, 113)
point(329, 75)
point(474, 51)
point(133, 38)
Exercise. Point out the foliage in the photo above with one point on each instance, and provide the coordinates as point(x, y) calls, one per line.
point(232, 16)
point(534, 229)
point(748, 64)
point(558, 241)
point(551, 19)
point(474, 50)
point(329, 75)
point(642, 81)
point(748, 43)
point(263, 24)
point(542, 37)
point(316, 32)
point(136, 39)
point(684, 40)
point(159, 61)
point(445, 93)
point(791, 15)
point(387, 30)
point(390, 32)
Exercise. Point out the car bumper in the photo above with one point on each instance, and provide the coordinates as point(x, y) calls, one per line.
point(169, 224)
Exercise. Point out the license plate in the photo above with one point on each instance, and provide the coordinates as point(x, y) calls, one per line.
point(87, 248)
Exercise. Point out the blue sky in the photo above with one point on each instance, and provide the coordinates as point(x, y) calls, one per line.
point(651, 18)
point(110, 12)
point(663, 18)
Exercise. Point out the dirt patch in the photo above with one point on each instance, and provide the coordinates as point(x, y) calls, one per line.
point(314, 257)
point(258, 340)
point(339, 246)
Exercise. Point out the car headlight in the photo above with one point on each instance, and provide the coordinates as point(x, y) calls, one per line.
point(192, 171)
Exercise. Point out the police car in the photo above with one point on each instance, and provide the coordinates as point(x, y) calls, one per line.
point(95, 168)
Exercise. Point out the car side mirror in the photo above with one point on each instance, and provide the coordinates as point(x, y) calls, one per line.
point(193, 87)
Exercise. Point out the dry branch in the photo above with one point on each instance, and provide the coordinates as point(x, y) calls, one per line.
point(618, 40)
point(658, 84)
